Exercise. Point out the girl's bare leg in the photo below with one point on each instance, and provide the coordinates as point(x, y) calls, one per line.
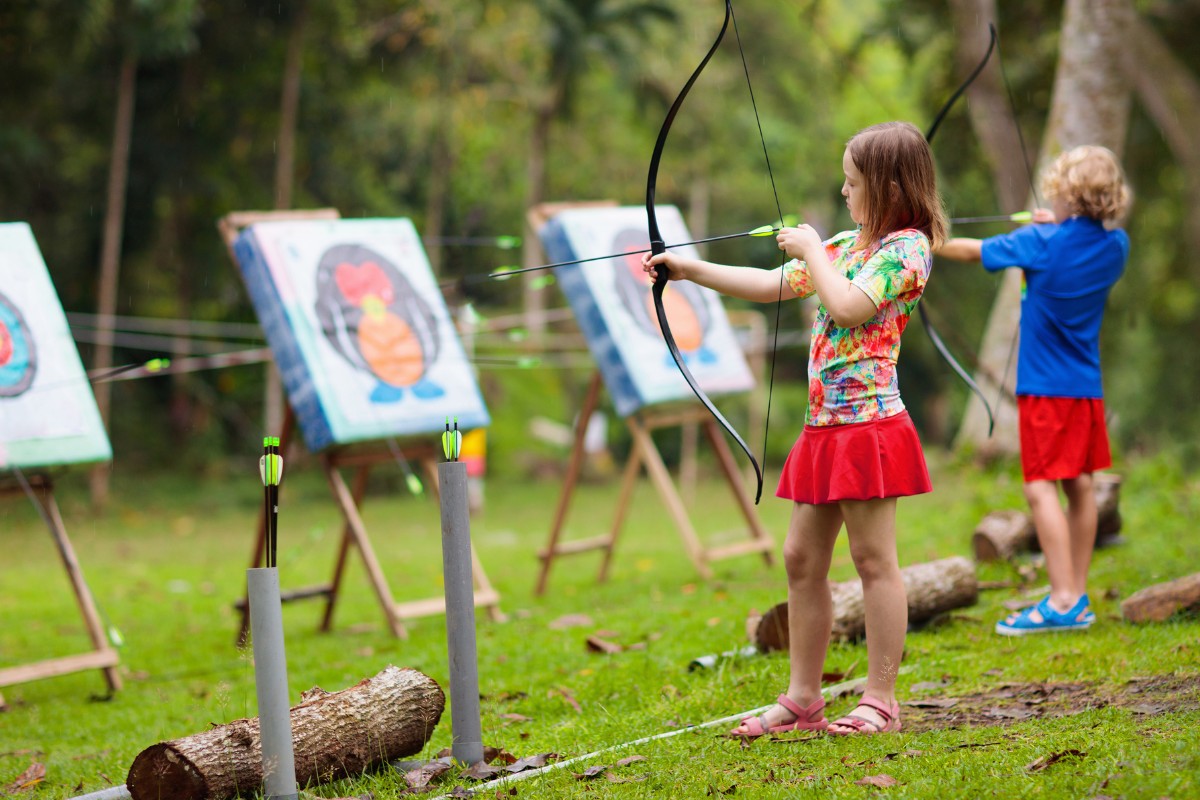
point(871, 528)
point(807, 553)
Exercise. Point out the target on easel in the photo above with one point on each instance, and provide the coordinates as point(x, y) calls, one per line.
point(48, 418)
point(18, 355)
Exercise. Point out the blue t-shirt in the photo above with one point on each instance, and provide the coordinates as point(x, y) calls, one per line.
point(1069, 269)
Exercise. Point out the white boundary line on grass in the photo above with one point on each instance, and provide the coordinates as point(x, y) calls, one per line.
point(832, 691)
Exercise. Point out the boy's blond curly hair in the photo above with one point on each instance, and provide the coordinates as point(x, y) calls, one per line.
point(1089, 180)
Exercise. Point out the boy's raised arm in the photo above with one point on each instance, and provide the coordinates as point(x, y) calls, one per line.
point(961, 249)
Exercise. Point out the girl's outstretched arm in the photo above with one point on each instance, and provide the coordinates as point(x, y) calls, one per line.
point(961, 249)
point(746, 283)
point(848, 305)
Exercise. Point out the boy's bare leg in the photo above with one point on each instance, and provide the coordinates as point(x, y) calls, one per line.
point(1054, 537)
point(1081, 520)
point(871, 528)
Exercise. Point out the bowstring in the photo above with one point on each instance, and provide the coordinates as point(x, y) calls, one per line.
point(779, 210)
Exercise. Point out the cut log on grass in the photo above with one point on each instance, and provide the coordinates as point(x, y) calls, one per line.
point(1162, 600)
point(1003, 534)
point(337, 735)
point(1108, 515)
point(932, 588)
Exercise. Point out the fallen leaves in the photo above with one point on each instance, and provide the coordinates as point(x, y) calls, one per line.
point(34, 774)
point(567, 696)
point(1047, 761)
point(880, 781)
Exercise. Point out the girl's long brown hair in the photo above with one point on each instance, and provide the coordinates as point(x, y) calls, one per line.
point(899, 182)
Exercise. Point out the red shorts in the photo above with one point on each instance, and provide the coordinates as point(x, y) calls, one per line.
point(859, 461)
point(1062, 437)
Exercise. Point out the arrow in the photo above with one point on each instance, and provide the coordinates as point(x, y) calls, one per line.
point(764, 230)
point(270, 467)
point(502, 242)
point(1020, 216)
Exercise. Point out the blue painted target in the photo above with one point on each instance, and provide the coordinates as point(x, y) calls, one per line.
point(18, 355)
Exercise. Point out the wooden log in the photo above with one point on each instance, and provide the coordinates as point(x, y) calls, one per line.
point(1162, 600)
point(1003, 534)
point(932, 588)
point(338, 734)
point(1107, 487)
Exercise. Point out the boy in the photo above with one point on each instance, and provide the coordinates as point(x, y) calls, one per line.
point(1069, 265)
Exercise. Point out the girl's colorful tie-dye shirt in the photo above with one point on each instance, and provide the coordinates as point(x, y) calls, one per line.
point(852, 371)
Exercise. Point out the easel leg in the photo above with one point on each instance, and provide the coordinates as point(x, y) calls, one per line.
point(628, 482)
point(345, 500)
point(83, 594)
point(335, 584)
point(662, 481)
point(574, 467)
point(725, 458)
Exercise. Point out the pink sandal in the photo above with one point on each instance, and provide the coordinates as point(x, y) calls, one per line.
point(757, 726)
point(890, 717)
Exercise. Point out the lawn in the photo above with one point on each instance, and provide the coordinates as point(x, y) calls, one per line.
point(1111, 712)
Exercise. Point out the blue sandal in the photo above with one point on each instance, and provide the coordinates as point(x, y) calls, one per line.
point(1079, 618)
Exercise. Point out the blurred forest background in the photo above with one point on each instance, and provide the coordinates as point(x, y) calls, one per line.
point(129, 127)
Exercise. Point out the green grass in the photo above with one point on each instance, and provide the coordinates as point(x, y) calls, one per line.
point(168, 559)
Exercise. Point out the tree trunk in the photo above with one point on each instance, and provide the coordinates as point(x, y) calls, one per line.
point(1003, 534)
point(110, 252)
point(1161, 601)
point(1170, 94)
point(932, 588)
point(285, 177)
point(441, 163)
point(289, 107)
point(1090, 105)
point(534, 298)
point(336, 735)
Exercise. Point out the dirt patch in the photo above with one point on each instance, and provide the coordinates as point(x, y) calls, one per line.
point(1017, 702)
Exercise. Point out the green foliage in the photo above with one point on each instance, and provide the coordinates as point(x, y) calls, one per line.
point(388, 89)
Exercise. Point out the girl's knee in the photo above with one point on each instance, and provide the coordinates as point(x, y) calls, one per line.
point(873, 564)
point(802, 564)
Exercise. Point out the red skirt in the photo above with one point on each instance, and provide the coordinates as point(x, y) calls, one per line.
point(1062, 437)
point(859, 461)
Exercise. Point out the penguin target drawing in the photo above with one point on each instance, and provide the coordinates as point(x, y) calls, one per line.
point(374, 318)
point(359, 329)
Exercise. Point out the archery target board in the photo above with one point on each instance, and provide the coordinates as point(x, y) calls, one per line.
point(358, 328)
point(48, 414)
point(612, 303)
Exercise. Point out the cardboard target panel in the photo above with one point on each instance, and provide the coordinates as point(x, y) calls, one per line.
point(359, 330)
point(613, 305)
point(48, 414)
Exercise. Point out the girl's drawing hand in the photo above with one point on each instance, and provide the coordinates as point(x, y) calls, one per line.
point(673, 263)
point(799, 242)
point(1042, 216)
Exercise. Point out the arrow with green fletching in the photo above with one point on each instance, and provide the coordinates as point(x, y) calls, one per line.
point(1020, 216)
point(762, 230)
point(452, 441)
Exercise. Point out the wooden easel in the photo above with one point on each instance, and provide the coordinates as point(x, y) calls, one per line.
point(645, 453)
point(102, 656)
point(349, 500)
point(354, 535)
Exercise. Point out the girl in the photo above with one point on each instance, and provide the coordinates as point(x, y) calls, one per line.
point(859, 450)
